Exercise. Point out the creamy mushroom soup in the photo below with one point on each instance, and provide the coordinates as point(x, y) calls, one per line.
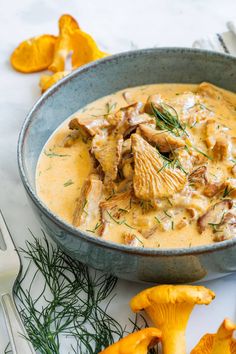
point(150, 166)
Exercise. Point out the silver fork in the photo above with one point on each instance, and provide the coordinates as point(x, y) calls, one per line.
point(9, 269)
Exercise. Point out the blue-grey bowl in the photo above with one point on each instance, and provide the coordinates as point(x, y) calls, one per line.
point(139, 67)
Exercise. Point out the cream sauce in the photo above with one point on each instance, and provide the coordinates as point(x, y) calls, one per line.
point(61, 171)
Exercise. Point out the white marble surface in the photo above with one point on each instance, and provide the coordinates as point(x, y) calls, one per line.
point(117, 26)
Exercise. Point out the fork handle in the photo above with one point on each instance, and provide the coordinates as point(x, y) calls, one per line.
point(15, 327)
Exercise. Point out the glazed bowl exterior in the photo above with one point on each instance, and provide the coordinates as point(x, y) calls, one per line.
point(140, 67)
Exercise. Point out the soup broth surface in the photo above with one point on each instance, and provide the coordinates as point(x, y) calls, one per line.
point(173, 177)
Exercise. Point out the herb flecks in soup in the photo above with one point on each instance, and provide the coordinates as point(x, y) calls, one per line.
point(150, 166)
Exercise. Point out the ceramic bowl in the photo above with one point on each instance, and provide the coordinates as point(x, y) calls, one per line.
point(163, 65)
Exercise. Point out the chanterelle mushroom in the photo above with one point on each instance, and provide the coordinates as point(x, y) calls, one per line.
point(221, 342)
point(107, 150)
point(135, 343)
point(169, 307)
point(151, 178)
point(165, 141)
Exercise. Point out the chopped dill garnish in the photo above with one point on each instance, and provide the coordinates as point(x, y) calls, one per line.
point(200, 152)
point(8, 349)
point(171, 163)
point(112, 194)
point(126, 224)
point(167, 119)
point(169, 201)
point(203, 153)
point(172, 225)
point(201, 105)
point(98, 224)
point(193, 125)
point(215, 226)
point(110, 107)
point(118, 222)
point(166, 163)
point(165, 212)
point(84, 205)
point(146, 205)
point(68, 183)
point(227, 191)
point(51, 154)
point(124, 210)
point(232, 160)
point(156, 218)
point(139, 240)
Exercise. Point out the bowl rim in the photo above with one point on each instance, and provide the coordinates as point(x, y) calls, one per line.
point(85, 236)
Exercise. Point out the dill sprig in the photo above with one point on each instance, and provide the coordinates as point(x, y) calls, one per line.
point(167, 119)
point(216, 226)
point(51, 154)
point(69, 304)
point(227, 191)
point(8, 349)
point(68, 183)
point(171, 163)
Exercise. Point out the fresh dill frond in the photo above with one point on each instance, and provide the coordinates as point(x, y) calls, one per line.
point(167, 119)
point(8, 349)
point(69, 305)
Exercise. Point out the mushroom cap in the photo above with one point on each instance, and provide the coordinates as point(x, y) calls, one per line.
point(221, 342)
point(172, 294)
point(151, 178)
point(137, 342)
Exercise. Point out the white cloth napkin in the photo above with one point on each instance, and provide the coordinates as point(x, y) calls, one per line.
point(222, 42)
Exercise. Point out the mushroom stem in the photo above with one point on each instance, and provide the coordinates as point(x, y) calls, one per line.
point(176, 344)
point(173, 323)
